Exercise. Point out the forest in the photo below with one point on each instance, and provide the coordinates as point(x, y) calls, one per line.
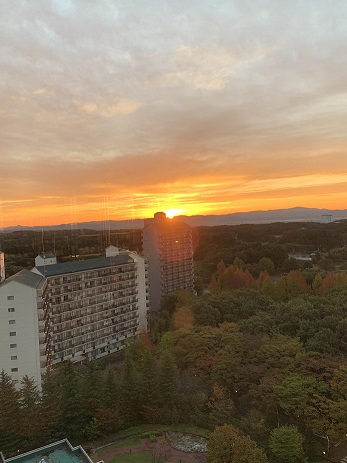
point(258, 357)
point(230, 361)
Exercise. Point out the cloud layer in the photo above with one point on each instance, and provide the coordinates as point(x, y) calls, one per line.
point(202, 106)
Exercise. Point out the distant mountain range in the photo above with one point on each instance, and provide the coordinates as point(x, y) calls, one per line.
point(295, 214)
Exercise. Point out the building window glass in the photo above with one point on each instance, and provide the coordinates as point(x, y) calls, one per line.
point(10, 298)
point(13, 333)
point(10, 309)
point(14, 357)
point(14, 369)
point(13, 346)
point(12, 322)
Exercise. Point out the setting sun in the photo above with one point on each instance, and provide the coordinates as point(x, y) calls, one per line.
point(170, 213)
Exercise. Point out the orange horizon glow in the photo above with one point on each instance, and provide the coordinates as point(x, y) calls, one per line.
point(41, 213)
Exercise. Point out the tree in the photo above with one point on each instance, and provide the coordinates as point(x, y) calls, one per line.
point(295, 394)
point(182, 316)
point(72, 420)
point(228, 444)
point(166, 380)
point(205, 313)
point(286, 444)
point(266, 265)
point(31, 422)
point(92, 397)
point(92, 389)
point(50, 408)
point(149, 378)
point(221, 406)
point(130, 386)
point(10, 438)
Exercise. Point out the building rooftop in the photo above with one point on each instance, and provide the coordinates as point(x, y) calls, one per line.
point(58, 452)
point(83, 265)
point(27, 278)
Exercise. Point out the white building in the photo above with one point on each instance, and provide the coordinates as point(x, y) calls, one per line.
point(2, 266)
point(73, 310)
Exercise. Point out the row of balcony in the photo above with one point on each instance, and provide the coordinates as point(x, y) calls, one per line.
point(88, 322)
point(101, 339)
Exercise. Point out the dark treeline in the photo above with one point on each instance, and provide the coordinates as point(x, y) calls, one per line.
point(326, 244)
point(22, 247)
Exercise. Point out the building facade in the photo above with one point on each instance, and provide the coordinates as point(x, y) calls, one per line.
point(73, 310)
point(168, 250)
point(2, 266)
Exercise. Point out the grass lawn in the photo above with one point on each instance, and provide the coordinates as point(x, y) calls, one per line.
point(134, 457)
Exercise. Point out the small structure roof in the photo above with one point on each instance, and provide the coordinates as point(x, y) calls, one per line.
point(25, 277)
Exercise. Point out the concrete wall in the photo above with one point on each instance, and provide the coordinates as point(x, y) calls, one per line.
point(142, 288)
point(24, 322)
point(2, 266)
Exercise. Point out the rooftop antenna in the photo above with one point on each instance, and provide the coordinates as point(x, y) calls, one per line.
point(73, 225)
point(107, 226)
point(42, 242)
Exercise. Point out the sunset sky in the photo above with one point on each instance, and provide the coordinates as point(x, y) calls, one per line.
point(115, 109)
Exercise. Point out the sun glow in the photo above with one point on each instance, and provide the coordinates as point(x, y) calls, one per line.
point(170, 213)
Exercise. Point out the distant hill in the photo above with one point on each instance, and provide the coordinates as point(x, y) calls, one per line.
point(295, 214)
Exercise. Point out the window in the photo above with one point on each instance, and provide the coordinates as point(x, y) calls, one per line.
point(13, 333)
point(12, 322)
point(14, 357)
point(10, 298)
point(14, 370)
point(10, 309)
point(13, 346)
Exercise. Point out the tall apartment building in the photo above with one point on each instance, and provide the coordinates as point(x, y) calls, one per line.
point(73, 310)
point(168, 250)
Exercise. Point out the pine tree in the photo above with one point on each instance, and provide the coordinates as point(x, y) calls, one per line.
point(31, 424)
point(50, 408)
point(72, 420)
point(110, 395)
point(92, 389)
point(10, 439)
point(149, 379)
point(130, 392)
point(166, 380)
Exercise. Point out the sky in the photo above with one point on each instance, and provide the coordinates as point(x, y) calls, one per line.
point(116, 109)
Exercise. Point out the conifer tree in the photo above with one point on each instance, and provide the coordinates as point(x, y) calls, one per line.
point(10, 439)
point(31, 424)
point(166, 380)
point(50, 408)
point(130, 391)
point(69, 389)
